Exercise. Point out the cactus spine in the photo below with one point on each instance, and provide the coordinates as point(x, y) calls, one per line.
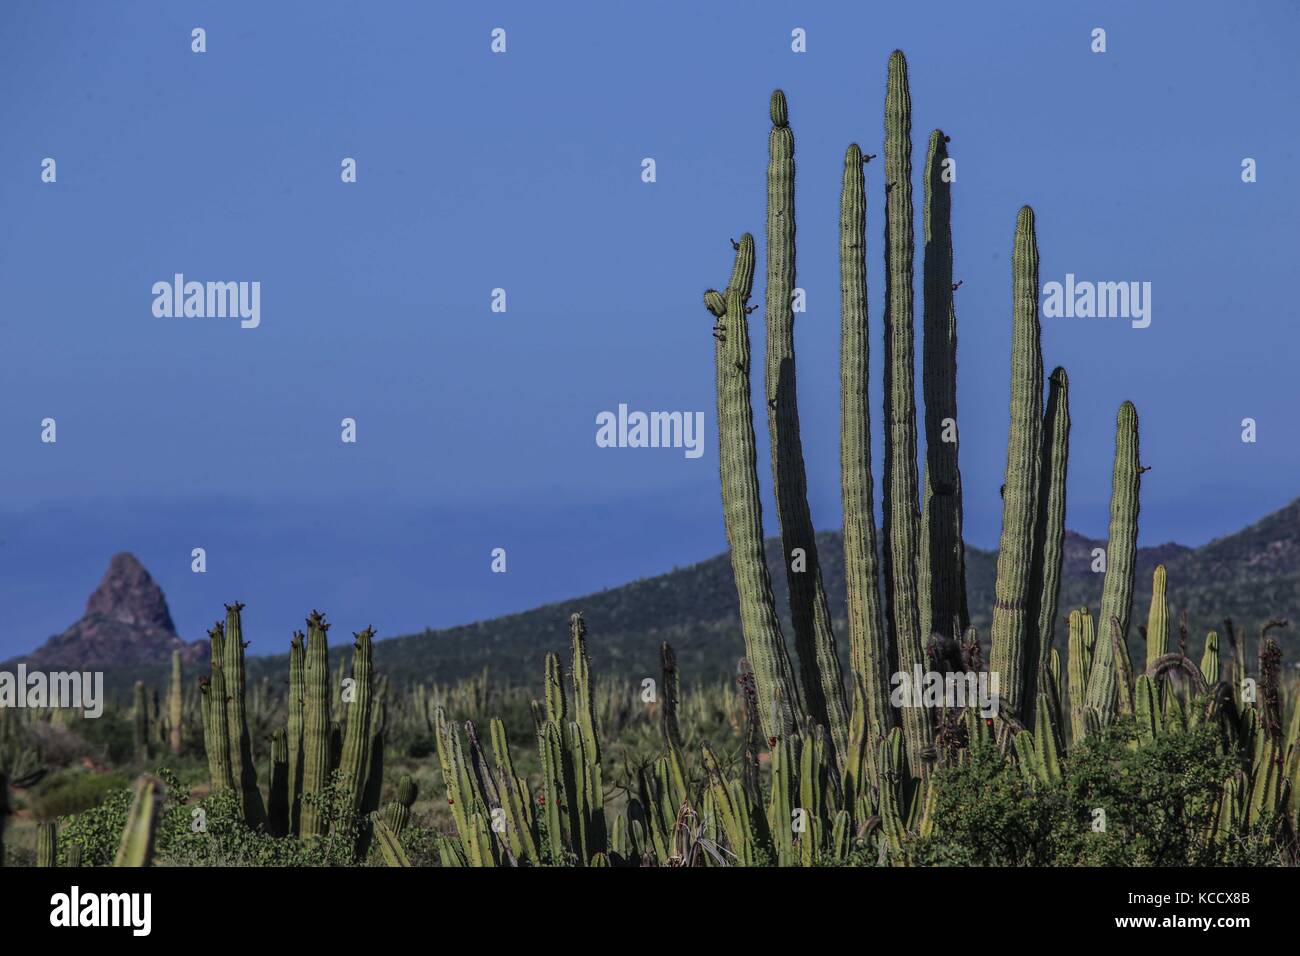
point(868, 655)
point(175, 704)
point(241, 747)
point(901, 518)
point(941, 569)
point(819, 663)
point(778, 699)
point(316, 726)
point(1013, 623)
point(1121, 553)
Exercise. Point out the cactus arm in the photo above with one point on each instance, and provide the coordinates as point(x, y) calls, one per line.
point(778, 697)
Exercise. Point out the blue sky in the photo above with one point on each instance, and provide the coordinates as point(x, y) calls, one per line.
point(522, 171)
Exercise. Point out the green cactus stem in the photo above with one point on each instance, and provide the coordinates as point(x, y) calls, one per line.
point(901, 514)
point(355, 760)
point(315, 727)
point(241, 747)
point(47, 844)
point(778, 699)
point(1210, 661)
point(1158, 618)
point(1013, 623)
point(140, 721)
point(868, 656)
point(137, 844)
point(819, 663)
point(390, 847)
point(1121, 554)
point(296, 704)
point(277, 810)
point(941, 568)
point(218, 721)
point(397, 814)
point(175, 705)
point(1049, 529)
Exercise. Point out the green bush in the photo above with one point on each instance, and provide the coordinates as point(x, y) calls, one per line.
point(1158, 803)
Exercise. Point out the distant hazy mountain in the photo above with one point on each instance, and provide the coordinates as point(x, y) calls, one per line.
point(127, 623)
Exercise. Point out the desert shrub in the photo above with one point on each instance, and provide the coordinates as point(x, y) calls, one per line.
point(73, 791)
point(1158, 801)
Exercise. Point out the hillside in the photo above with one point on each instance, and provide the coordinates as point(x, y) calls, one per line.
point(1250, 576)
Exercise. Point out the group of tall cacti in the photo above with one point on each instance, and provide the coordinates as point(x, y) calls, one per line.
point(872, 751)
point(313, 753)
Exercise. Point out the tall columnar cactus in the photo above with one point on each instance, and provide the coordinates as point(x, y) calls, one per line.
point(1049, 530)
point(901, 515)
point(294, 728)
point(778, 697)
point(819, 663)
point(315, 726)
point(4, 812)
point(219, 753)
point(398, 812)
point(1158, 618)
point(1210, 662)
point(241, 746)
point(868, 655)
point(277, 808)
point(140, 721)
point(671, 690)
point(1013, 620)
point(47, 844)
point(586, 743)
point(175, 704)
point(941, 569)
point(137, 844)
point(1082, 638)
point(1121, 554)
point(355, 762)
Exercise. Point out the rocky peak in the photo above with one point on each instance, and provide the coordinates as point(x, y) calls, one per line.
point(128, 595)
